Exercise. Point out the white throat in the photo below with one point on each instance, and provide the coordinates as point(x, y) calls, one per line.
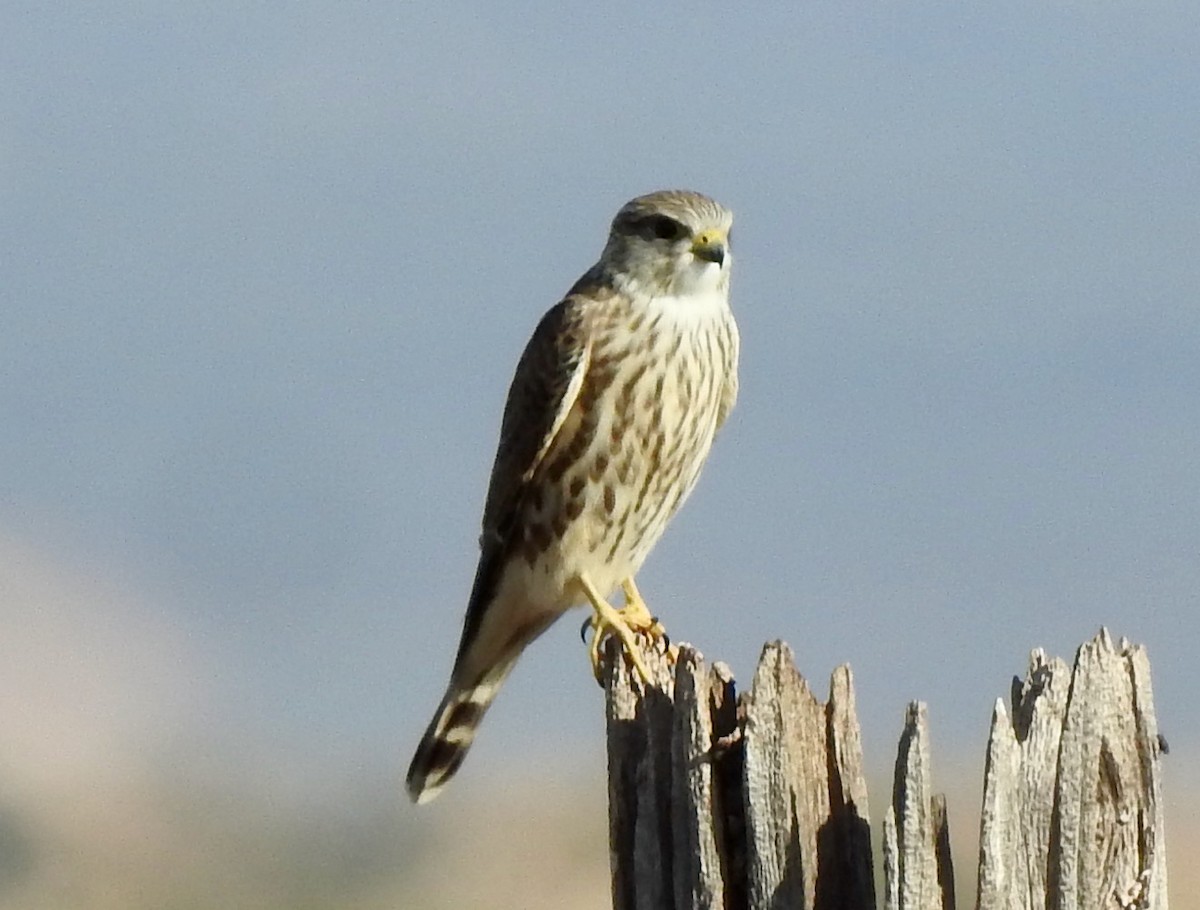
point(698, 276)
point(702, 307)
point(698, 289)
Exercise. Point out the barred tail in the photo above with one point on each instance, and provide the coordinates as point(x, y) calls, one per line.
point(495, 632)
point(450, 734)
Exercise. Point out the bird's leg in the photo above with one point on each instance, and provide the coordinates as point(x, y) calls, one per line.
point(608, 620)
point(639, 617)
point(635, 611)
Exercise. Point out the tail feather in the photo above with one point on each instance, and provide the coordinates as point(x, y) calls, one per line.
point(449, 736)
point(495, 633)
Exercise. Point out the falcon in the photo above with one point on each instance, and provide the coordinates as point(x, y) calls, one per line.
point(609, 419)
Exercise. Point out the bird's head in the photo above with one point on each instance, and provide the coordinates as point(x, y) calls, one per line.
point(671, 242)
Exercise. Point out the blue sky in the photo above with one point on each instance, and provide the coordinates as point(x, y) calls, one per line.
point(268, 270)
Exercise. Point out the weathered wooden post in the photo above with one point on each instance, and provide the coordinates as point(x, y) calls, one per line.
point(723, 802)
point(1072, 802)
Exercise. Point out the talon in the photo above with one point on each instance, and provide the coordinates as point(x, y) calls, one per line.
point(608, 621)
point(583, 630)
point(629, 624)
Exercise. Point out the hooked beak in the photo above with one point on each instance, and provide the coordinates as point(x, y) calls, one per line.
point(709, 246)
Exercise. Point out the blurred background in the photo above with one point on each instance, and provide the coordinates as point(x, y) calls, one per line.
point(266, 270)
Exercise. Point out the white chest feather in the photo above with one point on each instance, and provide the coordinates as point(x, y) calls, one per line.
point(634, 444)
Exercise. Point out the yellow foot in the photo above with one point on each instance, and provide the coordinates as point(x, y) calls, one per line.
point(635, 609)
point(643, 621)
point(628, 623)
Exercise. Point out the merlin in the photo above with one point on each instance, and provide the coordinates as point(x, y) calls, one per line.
point(609, 419)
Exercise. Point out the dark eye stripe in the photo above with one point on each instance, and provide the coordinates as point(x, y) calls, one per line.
point(654, 227)
point(665, 228)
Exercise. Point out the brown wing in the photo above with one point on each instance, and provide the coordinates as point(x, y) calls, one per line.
point(545, 387)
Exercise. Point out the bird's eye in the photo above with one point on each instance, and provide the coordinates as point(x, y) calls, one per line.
point(665, 228)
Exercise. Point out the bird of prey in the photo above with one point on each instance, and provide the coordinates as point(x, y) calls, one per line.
point(609, 419)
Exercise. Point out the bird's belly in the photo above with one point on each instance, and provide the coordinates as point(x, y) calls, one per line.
point(610, 505)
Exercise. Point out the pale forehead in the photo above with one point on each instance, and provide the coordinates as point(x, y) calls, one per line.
point(692, 209)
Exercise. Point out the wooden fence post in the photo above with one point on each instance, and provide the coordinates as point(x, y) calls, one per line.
point(1072, 804)
point(721, 802)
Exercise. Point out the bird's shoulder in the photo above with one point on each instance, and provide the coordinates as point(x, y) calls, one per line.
point(545, 386)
